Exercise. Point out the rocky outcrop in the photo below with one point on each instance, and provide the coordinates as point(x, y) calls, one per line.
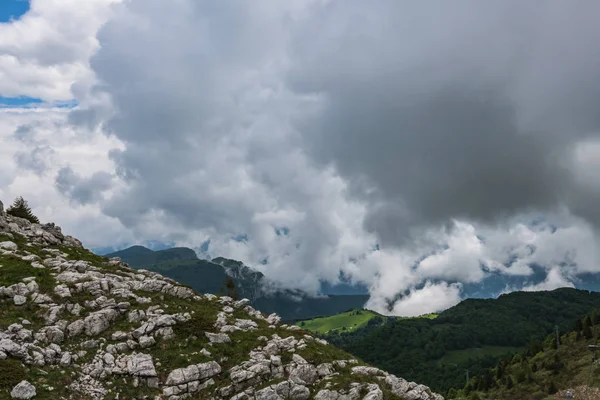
point(110, 329)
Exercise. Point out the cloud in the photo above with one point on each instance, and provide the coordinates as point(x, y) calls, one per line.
point(27, 171)
point(554, 280)
point(353, 127)
point(81, 189)
point(430, 298)
point(441, 112)
point(415, 148)
point(34, 159)
point(43, 53)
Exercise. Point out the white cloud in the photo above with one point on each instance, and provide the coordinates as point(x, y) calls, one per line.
point(47, 50)
point(554, 280)
point(22, 133)
point(430, 298)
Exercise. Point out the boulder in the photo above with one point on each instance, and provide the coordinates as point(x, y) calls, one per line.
point(196, 372)
point(8, 245)
point(23, 390)
point(19, 300)
point(98, 322)
point(141, 365)
point(217, 337)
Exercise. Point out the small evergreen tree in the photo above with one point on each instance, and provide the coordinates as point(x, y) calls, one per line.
point(587, 331)
point(229, 288)
point(21, 209)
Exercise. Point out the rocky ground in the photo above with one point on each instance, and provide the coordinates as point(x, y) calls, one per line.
point(579, 393)
point(74, 325)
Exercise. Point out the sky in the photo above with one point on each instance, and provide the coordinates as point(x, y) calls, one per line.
point(419, 149)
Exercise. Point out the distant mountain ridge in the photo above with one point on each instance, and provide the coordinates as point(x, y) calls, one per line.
point(183, 265)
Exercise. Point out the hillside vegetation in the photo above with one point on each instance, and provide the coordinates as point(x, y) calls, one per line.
point(77, 326)
point(473, 335)
point(543, 370)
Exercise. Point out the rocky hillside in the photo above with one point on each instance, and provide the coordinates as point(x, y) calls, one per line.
point(78, 326)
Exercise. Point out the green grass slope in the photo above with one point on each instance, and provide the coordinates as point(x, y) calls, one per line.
point(349, 321)
point(345, 321)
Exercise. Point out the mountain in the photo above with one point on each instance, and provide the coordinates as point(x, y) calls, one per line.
point(74, 325)
point(544, 370)
point(205, 276)
point(473, 335)
point(141, 256)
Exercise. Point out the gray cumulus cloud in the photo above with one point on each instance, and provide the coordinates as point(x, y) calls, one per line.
point(452, 110)
point(351, 125)
point(80, 189)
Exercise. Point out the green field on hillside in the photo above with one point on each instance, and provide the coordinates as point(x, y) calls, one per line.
point(427, 316)
point(346, 321)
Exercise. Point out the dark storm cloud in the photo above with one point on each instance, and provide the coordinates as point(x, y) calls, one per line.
point(443, 110)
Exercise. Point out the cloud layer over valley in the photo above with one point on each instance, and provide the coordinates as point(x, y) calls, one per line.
point(417, 148)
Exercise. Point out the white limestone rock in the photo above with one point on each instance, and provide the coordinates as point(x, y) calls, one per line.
point(23, 390)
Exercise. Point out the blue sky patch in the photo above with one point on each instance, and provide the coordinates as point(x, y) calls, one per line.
point(22, 101)
point(282, 231)
point(12, 9)
point(25, 101)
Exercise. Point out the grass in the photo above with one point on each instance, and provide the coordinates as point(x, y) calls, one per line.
point(346, 321)
point(427, 316)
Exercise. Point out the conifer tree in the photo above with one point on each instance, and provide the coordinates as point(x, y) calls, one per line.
point(587, 330)
point(21, 209)
point(229, 288)
point(552, 387)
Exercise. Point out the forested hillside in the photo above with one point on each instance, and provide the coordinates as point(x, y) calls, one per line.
point(473, 335)
point(545, 368)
